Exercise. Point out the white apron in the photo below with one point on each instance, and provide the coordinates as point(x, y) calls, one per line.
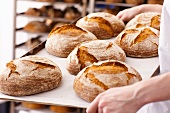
point(164, 59)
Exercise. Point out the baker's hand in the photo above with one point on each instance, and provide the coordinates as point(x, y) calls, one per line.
point(116, 100)
point(128, 14)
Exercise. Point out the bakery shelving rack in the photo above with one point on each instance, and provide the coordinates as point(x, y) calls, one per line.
point(93, 3)
point(83, 5)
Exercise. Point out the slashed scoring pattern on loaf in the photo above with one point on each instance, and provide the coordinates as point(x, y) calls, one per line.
point(103, 75)
point(62, 40)
point(139, 42)
point(93, 51)
point(150, 19)
point(101, 24)
point(29, 75)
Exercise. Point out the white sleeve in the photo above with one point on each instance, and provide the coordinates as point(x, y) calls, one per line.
point(164, 40)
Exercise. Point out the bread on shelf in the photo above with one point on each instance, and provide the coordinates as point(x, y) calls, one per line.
point(62, 109)
point(93, 51)
point(32, 42)
point(46, 0)
point(72, 1)
point(103, 25)
point(36, 27)
point(33, 12)
point(29, 75)
point(114, 1)
point(155, 1)
point(50, 11)
point(62, 40)
point(136, 2)
point(102, 76)
point(31, 105)
point(113, 11)
point(71, 13)
point(139, 42)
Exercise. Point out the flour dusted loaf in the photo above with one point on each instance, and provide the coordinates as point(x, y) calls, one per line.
point(103, 75)
point(62, 40)
point(139, 42)
point(93, 51)
point(103, 25)
point(151, 19)
point(29, 75)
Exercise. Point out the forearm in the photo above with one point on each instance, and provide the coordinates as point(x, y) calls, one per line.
point(153, 90)
point(150, 8)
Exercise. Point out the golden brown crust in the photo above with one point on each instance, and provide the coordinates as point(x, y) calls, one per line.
point(136, 2)
point(139, 42)
point(114, 1)
point(36, 27)
point(33, 12)
point(29, 75)
point(155, 1)
point(62, 40)
point(62, 109)
point(150, 19)
point(101, 76)
point(64, 29)
point(33, 105)
point(93, 51)
point(101, 24)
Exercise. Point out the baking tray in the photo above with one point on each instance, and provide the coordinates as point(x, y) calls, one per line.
point(64, 95)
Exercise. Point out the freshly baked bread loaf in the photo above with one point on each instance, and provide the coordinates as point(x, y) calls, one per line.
point(50, 11)
point(101, 24)
point(29, 75)
point(114, 1)
point(103, 75)
point(93, 51)
point(32, 42)
point(62, 40)
point(71, 13)
point(36, 27)
point(33, 12)
point(139, 42)
point(113, 11)
point(33, 105)
point(62, 109)
point(151, 19)
point(136, 2)
point(45, 0)
point(155, 1)
point(72, 1)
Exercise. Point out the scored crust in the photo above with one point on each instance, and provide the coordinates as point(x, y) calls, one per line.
point(139, 42)
point(150, 19)
point(29, 75)
point(93, 51)
point(62, 40)
point(103, 75)
point(101, 24)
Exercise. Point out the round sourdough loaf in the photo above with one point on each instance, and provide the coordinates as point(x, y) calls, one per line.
point(29, 75)
point(103, 75)
point(62, 40)
point(103, 25)
point(93, 51)
point(139, 42)
point(151, 19)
